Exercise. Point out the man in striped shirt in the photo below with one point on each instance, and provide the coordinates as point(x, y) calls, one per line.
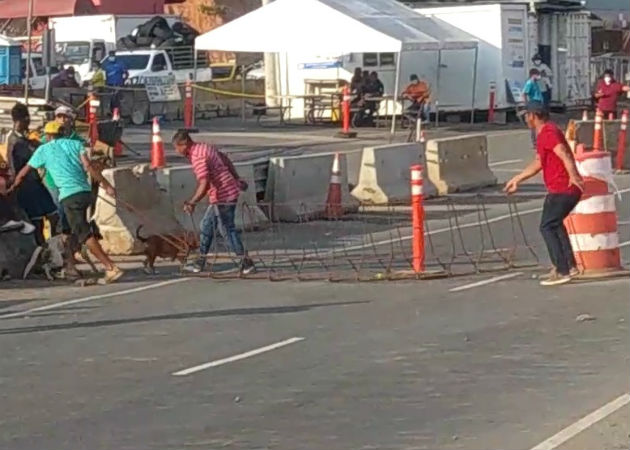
point(217, 178)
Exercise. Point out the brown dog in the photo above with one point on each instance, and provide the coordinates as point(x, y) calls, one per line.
point(168, 246)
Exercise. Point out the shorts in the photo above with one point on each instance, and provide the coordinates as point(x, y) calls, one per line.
point(76, 207)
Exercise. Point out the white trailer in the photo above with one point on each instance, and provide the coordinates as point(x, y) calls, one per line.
point(83, 39)
point(509, 36)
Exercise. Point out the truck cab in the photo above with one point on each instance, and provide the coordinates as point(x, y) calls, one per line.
point(177, 61)
point(37, 72)
point(81, 54)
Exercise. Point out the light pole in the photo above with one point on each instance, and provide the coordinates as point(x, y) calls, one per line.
point(29, 32)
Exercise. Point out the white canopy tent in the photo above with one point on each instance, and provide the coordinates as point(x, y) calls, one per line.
point(335, 27)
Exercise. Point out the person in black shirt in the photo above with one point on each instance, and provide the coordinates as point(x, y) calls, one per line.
point(32, 197)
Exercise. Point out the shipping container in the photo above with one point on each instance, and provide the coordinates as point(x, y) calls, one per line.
point(509, 37)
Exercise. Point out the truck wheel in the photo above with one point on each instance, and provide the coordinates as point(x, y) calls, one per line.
point(143, 41)
point(168, 43)
point(139, 115)
point(163, 33)
point(147, 29)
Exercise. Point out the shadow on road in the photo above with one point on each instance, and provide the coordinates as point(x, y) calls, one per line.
point(181, 316)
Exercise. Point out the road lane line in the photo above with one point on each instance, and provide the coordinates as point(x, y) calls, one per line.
point(93, 297)
point(585, 422)
point(507, 161)
point(624, 244)
point(484, 282)
point(220, 362)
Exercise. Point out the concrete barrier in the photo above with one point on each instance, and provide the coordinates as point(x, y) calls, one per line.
point(459, 163)
point(139, 188)
point(384, 175)
point(513, 140)
point(297, 186)
point(584, 131)
point(179, 183)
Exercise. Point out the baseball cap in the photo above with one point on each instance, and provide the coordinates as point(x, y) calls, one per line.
point(64, 111)
point(52, 127)
point(533, 107)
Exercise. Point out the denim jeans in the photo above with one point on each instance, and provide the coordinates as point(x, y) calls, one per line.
point(555, 209)
point(210, 225)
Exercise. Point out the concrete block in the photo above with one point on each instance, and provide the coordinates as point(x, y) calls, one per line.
point(297, 186)
point(460, 163)
point(137, 187)
point(353, 158)
point(15, 252)
point(385, 174)
point(179, 183)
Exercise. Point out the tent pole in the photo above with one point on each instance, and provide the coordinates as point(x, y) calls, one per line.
point(474, 86)
point(437, 89)
point(194, 81)
point(396, 82)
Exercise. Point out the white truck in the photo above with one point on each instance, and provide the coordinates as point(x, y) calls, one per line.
point(177, 61)
point(80, 40)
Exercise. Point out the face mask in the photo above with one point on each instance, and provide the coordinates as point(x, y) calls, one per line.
point(537, 62)
point(607, 80)
point(111, 59)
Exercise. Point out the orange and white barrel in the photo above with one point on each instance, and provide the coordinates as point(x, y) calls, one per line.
point(592, 225)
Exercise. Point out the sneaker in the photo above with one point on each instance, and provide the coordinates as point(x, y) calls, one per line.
point(31, 262)
point(192, 268)
point(113, 275)
point(247, 266)
point(556, 280)
point(574, 272)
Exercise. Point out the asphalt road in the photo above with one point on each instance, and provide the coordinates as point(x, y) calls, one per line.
point(471, 362)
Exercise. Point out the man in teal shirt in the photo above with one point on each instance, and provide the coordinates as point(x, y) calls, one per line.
point(64, 115)
point(68, 164)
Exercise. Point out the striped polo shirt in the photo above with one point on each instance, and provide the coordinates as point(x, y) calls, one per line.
point(207, 164)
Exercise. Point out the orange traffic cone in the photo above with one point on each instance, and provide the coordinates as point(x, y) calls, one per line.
point(334, 209)
point(118, 148)
point(157, 147)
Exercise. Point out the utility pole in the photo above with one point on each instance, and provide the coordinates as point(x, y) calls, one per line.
point(271, 86)
point(29, 32)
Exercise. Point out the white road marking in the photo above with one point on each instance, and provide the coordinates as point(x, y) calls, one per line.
point(624, 244)
point(220, 362)
point(93, 297)
point(585, 422)
point(487, 281)
point(503, 163)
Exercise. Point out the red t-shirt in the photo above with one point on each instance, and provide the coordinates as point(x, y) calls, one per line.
point(612, 91)
point(555, 175)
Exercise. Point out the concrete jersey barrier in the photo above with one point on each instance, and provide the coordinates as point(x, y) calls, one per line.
point(460, 163)
point(179, 184)
point(384, 174)
point(297, 186)
point(139, 188)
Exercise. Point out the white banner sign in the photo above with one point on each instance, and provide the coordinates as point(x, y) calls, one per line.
point(162, 89)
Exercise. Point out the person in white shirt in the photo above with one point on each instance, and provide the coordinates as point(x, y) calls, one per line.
point(545, 78)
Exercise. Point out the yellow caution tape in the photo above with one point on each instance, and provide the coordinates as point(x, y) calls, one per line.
point(230, 93)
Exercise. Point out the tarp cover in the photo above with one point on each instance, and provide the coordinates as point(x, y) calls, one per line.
point(333, 27)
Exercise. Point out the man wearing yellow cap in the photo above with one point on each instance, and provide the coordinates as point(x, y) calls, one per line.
point(68, 164)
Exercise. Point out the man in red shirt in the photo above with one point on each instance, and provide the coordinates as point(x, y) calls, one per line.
point(216, 178)
point(607, 92)
point(564, 186)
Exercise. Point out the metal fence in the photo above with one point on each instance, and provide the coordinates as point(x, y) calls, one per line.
point(464, 234)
